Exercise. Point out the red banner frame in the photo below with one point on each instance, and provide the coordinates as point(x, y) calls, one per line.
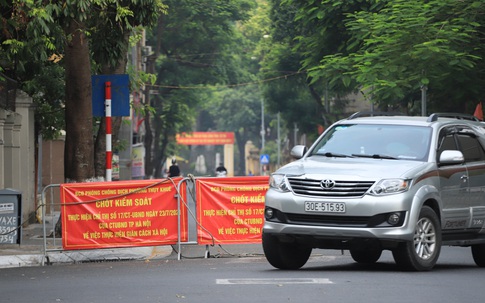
point(121, 214)
point(230, 210)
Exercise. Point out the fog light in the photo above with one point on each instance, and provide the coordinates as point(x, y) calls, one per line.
point(268, 213)
point(394, 218)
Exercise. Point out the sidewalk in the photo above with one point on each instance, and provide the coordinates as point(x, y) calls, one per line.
point(31, 251)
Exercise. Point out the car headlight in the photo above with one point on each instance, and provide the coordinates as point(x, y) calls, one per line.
point(390, 186)
point(279, 182)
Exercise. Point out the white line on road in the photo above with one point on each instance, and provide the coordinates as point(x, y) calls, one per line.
point(274, 281)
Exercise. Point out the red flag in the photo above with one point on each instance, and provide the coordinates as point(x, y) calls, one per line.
point(479, 111)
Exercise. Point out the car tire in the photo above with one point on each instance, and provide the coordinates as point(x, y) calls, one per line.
point(285, 255)
point(368, 256)
point(423, 252)
point(478, 253)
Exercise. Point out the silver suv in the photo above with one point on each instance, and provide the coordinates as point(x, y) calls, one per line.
point(368, 184)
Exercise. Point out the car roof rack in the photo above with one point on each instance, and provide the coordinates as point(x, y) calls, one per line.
point(435, 116)
point(372, 114)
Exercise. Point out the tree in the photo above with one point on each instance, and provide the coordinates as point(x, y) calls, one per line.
point(238, 110)
point(406, 45)
point(73, 31)
point(28, 55)
point(111, 54)
point(192, 49)
point(79, 145)
point(297, 41)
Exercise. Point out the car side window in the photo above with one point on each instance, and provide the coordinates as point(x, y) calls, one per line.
point(471, 148)
point(447, 140)
point(447, 143)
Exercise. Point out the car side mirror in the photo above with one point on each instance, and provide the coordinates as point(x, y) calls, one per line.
point(448, 157)
point(298, 151)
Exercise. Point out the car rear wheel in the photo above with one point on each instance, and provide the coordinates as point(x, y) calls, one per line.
point(478, 252)
point(423, 252)
point(367, 256)
point(285, 255)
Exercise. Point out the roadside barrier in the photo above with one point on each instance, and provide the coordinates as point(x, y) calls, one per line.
point(182, 211)
point(43, 207)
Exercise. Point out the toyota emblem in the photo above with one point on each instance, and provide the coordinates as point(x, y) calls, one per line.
point(327, 184)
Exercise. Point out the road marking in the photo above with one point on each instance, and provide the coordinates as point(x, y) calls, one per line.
point(274, 281)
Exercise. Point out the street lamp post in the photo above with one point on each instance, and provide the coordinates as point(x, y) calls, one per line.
point(262, 136)
point(278, 162)
point(263, 132)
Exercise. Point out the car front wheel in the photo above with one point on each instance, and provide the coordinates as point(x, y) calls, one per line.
point(423, 252)
point(284, 255)
point(478, 253)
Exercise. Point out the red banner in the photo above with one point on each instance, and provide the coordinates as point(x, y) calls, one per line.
point(230, 210)
point(205, 138)
point(121, 214)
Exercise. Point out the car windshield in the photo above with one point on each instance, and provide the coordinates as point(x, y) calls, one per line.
point(375, 141)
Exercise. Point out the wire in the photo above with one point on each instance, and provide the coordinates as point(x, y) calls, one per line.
point(229, 85)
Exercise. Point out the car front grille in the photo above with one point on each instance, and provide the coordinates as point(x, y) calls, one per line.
point(314, 188)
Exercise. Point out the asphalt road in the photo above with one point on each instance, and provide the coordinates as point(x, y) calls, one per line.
point(327, 277)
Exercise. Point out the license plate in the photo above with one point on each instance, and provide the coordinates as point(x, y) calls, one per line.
point(325, 207)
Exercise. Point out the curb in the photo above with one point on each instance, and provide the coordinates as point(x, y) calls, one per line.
point(22, 259)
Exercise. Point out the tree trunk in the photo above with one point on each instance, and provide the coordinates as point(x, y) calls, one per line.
point(147, 141)
point(241, 145)
point(149, 136)
point(78, 150)
point(79, 155)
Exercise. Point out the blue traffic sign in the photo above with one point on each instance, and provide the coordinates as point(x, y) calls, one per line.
point(264, 159)
point(120, 94)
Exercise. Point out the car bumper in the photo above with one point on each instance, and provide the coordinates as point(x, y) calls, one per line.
point(398, 234)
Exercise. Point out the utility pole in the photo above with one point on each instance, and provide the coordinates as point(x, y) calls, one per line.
point(263, 132)
point(262, 137)
point(424, 88)
point(278, 140)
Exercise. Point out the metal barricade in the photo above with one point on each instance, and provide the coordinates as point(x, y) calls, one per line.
point(191, 206)
point(187, 209)
point(44, 221)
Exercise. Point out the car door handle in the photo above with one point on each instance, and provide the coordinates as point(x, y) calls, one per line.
point(464, 178)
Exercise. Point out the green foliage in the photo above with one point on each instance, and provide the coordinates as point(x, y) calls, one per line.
point(47, 89)
point(196, 45)
point(32, 35)
point(286, 86)
point(237, 110)
point(395, 49)
point(297, 51)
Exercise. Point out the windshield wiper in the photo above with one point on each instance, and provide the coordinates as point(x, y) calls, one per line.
point(375, 156)
point(336, 155)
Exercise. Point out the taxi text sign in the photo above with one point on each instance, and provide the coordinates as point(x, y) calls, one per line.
point(121, 214)
point(230, 210)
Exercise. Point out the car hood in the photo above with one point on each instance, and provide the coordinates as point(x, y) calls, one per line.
point(352, 168)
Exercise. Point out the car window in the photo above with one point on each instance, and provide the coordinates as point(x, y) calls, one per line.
point(471, 148)
point(463, 139)
point(397, 141)
point(447, 142)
